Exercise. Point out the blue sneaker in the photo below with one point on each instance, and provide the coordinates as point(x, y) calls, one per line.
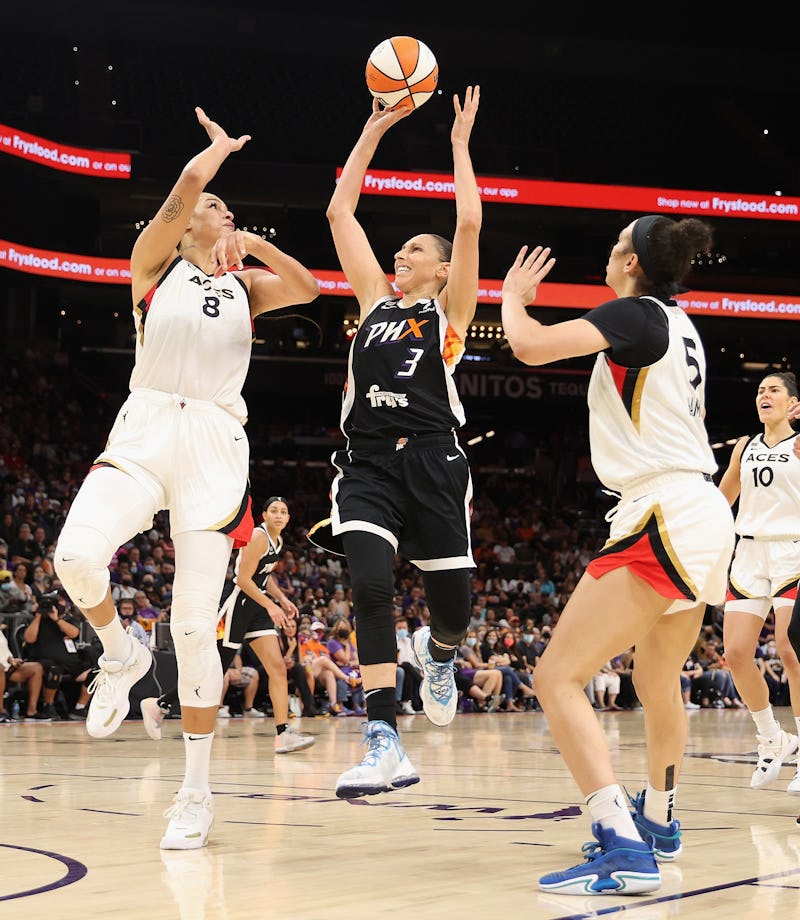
point(438, 688)
point(614, 865)
point(385, 765)
point(665, 838)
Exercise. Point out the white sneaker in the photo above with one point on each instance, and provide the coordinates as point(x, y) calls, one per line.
point(771, 754)
point(111, 688)
point(223, 712)
point(385, 765)
point(254, 713)
point(794, 785)
point(152, 717)
point(438, 688)
point(691, 705)
point(191, 817)
point(291, 740)
point(407, 708)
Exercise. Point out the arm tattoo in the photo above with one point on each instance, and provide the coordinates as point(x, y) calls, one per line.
point(172, 209)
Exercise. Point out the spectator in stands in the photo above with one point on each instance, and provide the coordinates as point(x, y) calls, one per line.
point(775, 674)
point(18, 595)
point(338, 605)
point(606, 684)
point(146, 613)
point(409, 675)
point(321, 669)
point(16, 670)
point(51, 639)
point(41, 583)
point(342, 650)
point(23, 547)
point(127, 614)
point(240, 677)
point(494, 653)
point(486, 676)
point(296, 676)
point(692, 671)
point(125, 587)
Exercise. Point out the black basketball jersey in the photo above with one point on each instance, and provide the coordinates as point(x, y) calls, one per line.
point(400, 373)
point(266, 563)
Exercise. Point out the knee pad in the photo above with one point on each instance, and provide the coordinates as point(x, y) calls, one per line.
point(194, 632)
point(81, 563)
point(372, 578)
point(199, 668)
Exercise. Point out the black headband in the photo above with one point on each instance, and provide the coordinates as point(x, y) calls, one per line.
point(640, 236)
point(275, 498)
point(664, 288)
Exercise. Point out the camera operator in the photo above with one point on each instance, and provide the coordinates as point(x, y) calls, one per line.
point(50, 638)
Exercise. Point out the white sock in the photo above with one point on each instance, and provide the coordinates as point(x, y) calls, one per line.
point(198, 760)
point(766, 724)
point(116, 642)
point(658, 805)
point(609, 807)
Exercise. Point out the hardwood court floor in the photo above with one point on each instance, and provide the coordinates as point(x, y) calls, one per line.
point(81, 820)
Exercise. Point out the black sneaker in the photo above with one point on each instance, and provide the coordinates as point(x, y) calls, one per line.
point(78, 715)
point(43, 716)
point(5, 717)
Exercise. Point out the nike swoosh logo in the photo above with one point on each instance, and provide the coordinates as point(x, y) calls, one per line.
point(239, 439)
point(450, 459)
point(190, 633)
point(196, 737)
point(67, 558)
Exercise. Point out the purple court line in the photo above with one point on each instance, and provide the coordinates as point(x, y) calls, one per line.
point(75, 872)
point(682, 896)
point(105, 811)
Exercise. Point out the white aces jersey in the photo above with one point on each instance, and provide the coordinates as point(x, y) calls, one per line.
point(644, 421)
point(769, 501)
point(194, 337)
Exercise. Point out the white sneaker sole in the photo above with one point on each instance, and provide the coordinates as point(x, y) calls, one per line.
point(186, 843)
point(303, 744)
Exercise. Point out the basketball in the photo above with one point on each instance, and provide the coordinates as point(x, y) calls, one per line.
point(402, 71)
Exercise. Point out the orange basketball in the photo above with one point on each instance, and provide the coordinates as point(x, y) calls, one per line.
point(402, 71)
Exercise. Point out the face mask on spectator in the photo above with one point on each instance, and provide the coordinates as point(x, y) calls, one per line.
point(471, 641)
point(402, 633)
point(508, 641)
point(527, 637)
point(491, 640)
point(6, 586)
point(343, 633)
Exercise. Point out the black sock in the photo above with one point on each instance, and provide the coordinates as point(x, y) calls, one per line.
point(281, 728)
point(380, 705)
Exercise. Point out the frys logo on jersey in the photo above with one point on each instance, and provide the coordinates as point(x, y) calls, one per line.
point(765, 456)
point(377, 398)
point(403, 330)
